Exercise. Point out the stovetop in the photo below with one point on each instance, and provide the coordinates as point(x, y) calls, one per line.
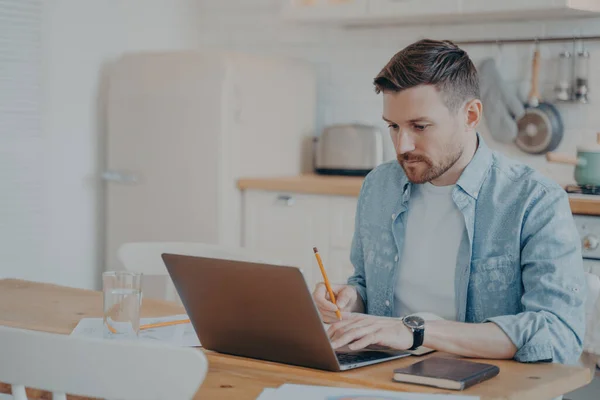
point(587, 190)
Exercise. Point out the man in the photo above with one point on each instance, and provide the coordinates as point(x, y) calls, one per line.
point(454, 229)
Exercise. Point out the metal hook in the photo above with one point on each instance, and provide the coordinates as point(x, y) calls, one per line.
point(499, 45)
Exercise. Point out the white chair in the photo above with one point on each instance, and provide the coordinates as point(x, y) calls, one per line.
point(145, 258)
point(591, 342)
point(106, 369)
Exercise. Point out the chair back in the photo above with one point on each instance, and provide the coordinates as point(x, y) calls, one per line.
point(127, 370)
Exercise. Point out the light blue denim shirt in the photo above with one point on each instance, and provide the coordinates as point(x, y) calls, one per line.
point(519, 266)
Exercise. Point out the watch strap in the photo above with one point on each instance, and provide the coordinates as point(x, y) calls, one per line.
point(418, 337)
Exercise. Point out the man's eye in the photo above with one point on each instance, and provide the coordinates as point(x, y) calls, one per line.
point(393, 126)
point(420, 127)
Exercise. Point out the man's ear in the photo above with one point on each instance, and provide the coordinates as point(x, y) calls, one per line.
point(473, 113)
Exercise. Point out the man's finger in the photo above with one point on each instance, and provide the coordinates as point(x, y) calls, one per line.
point(326, 305)
point(344, 297)
point(324, 292)
point(357, 324)
point(329, 317)
point(367, 340)
point(321, 299)
point(353, 334)
point(341, 324)
point(351, 315)
point(338, 328)
point(320, 291)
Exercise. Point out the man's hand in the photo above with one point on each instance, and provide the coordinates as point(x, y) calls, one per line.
point(346, 298)
point(360, 331)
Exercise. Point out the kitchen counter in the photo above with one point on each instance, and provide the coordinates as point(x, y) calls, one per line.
point(311, 184)
point(350, 186)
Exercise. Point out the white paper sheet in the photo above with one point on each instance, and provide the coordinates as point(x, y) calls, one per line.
point(301, 392)
point(268, 394)
point(181, 334)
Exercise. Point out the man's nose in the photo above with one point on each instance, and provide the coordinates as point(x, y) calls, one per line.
point(404, 143)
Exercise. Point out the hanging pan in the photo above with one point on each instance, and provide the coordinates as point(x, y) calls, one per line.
point(541, 127)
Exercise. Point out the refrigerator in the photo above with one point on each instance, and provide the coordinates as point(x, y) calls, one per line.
point(182, 127)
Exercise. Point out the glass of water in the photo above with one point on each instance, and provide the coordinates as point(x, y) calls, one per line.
point(122, 292)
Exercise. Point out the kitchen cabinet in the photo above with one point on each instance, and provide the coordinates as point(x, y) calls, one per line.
point(413, 8)
point(314, 10)
point(406, 12)
point(530, 9)
point(284, 227)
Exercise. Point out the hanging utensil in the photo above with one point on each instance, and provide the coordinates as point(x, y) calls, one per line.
point(582, 74)
point(563, 88)
point(541, 128)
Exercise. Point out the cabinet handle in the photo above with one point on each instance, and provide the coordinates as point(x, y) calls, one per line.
point(286, 199)
point(120, 177)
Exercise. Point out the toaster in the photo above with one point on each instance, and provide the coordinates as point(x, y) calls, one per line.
point(349, 149)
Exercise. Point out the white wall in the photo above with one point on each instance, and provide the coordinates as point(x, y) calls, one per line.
point(80, 38)
point(349, 59)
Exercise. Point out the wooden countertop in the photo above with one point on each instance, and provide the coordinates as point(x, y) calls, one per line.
point(350, 186)
point(57, 309)
point(310, 183)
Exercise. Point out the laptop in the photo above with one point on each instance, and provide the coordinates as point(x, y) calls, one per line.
point(260, 311)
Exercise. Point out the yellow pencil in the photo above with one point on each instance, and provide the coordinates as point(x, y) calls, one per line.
point(327, 285)
point(168, 323)
point(157, 325)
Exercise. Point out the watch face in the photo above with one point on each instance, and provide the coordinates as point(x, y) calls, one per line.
point(414, 322)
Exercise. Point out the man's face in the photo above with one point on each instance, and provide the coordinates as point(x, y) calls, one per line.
point(427, 136)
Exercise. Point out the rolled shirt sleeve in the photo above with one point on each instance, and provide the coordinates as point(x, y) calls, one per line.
point(551, 327)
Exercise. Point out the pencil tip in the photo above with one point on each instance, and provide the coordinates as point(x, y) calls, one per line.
point(315, 249)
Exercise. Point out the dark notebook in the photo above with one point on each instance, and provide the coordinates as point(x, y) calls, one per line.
point(446, 373)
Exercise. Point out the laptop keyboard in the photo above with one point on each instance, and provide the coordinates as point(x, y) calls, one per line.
point(355, 358)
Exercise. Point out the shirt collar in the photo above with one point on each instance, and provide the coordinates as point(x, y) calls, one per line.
point(476, 171)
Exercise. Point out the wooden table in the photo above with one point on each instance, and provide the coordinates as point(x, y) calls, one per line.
point(58, 309)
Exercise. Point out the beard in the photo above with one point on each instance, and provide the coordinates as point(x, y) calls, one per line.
point(421, 169)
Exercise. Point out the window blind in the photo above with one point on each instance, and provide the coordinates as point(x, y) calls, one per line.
point(21, 146)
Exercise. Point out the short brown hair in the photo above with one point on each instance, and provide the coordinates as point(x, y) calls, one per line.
point(431, 62)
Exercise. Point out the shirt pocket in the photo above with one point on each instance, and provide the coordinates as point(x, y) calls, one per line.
point(494, 287)
point(494, 274)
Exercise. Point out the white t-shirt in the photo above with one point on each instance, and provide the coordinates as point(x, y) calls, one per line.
point(434, 230)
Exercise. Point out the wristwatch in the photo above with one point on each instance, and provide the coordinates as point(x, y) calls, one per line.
point(417, 327)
